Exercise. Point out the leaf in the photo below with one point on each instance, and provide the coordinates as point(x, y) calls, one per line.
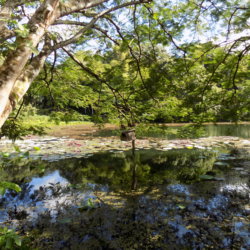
point(9, 185)
point(22, 30)
point(206, 177)
point(6, 155)
point(209, 177)
point(218, 163)
point(37, 148)
point(155, 16)
point(181, 206)
point(90, 203)
point(18, 241)
point(26, 154)
point(17, 148)
point(65, 220)
point(9, 243)
point(2, 190)
point(34, 50)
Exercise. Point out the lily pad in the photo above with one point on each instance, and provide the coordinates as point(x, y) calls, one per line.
point(206, 177)
point(220, 163)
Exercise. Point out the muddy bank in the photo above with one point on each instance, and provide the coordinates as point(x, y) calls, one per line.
point(79, 131)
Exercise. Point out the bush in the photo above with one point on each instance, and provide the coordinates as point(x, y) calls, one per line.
point(14, 129)
point(67, 116)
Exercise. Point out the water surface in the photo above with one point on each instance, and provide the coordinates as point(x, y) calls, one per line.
point(240, 130)
point(116, 200)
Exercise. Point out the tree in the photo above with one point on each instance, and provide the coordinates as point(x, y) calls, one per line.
point(29, 36)
point(31, 43)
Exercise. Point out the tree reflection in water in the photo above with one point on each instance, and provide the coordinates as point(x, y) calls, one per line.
point(139, 200)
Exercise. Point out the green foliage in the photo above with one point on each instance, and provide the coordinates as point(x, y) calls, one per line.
point(89, 204)
point(16, 166)
point(190, 131)
point(152, 71)
point(152, 167)
point(169, 88)
point(186, 131)
point(4, 185)
point(9, 239)
point(67, 116)
point(145, 130)
point(22, 30)
point(14, 129)
point(18, 126)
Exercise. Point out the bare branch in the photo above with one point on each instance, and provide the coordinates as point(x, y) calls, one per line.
point(69, 22)
point(76, 5)
point(229, 22)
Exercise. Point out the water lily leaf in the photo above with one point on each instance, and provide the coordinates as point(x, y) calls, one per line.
point(37, 148)
point(9, 244)
point(65, 220)
point(219, 163)
point(181, 206)
point(26, 154)
point(206, 177)
point(82, 209)
point(210, 177)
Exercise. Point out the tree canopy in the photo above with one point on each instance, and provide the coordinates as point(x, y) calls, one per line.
point(136, 60)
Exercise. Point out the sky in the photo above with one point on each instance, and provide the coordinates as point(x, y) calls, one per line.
point(187, 37)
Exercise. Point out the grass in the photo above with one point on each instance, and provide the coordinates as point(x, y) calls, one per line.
point(44, 121)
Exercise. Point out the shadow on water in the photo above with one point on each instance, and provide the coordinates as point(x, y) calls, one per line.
point(176, 199)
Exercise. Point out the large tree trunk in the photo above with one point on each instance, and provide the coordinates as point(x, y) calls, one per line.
point(23, 83)
point(15, 62)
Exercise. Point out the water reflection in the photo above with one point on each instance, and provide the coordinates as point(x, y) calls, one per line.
point(125, 171)
point(117, 200)
point(50, 179)
point(162, 131)
point(241, 130)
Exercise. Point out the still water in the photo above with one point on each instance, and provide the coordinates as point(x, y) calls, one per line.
point(241, 130)
point(176, 199)
point(176, 132)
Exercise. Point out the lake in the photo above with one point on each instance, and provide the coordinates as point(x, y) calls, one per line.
point(153, 199)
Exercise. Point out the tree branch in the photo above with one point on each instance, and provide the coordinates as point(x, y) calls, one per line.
point(94, 20)
point(76, 23)
point(114, 91)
